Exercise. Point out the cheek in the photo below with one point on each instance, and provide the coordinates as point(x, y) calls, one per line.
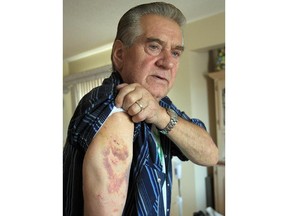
point(174, 70)
point(173, 77)
point(137, 68)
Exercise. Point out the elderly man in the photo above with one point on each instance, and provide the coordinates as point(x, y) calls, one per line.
point(123, 134)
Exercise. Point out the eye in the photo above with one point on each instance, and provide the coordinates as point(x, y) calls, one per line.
point(153, 48)
point(176, 53)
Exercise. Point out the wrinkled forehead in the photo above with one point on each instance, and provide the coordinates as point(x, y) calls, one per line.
point(163, 28)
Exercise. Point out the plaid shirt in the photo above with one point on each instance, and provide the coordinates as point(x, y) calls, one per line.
point(146, 176)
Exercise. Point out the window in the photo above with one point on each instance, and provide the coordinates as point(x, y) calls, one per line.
point(81, 83)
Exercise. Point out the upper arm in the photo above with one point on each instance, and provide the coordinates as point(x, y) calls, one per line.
point(106, 166)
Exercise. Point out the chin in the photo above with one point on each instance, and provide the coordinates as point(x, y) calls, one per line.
point(158, 95)
point(158, 91)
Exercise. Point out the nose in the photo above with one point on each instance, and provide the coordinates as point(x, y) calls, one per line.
point(166, 60)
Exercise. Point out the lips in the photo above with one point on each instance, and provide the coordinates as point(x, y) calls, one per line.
point(160, 77)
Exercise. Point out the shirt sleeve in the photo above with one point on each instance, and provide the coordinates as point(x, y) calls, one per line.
point(91, 113)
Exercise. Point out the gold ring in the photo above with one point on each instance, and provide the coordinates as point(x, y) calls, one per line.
point(140, 105)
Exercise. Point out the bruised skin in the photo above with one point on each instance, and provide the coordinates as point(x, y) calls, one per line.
point(112, 156)
point(106, 167)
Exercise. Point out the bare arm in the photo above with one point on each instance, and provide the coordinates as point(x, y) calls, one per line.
point(195, 143)
point(106, 167)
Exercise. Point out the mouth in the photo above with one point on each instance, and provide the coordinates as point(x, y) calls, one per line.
point(160, 78)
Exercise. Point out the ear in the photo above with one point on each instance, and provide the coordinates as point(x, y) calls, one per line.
point(118, 54)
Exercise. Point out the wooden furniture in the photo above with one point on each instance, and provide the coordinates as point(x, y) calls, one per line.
point(219, 169)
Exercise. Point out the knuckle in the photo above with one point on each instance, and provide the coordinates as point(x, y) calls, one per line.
point(130, 99)
point(132, 111)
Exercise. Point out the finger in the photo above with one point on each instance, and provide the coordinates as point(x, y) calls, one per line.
point(135, 108)
point(128, 95)
point(121, 94)
point(139, 117)
point(121, 86)
point(140, 105)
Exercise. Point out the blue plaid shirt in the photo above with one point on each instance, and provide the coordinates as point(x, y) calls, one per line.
point(146, 176)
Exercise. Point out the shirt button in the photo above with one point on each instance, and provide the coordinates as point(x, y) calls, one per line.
point(168, 185)
point(159, 180)
point(168, 210)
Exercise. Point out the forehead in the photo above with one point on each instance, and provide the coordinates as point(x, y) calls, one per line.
point(165, 29)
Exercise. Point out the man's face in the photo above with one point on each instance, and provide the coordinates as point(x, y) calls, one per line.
point(154, 57)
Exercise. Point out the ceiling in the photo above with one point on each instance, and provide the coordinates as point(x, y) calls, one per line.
point(90, 24)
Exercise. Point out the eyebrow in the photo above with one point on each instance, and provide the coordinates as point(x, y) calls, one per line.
point(151, 39)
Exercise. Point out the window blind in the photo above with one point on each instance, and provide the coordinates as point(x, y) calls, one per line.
point(81, 83)
point(82, 88)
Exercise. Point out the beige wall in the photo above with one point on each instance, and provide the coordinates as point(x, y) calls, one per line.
point(189, 94)
point(90, 62)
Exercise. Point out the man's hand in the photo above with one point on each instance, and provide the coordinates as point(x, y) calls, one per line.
point(195, 143)
point(141, 105)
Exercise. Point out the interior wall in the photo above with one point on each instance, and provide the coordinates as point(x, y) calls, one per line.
point(199, 107)
point(205, 34)
point(94, 61)
point(190, 94)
